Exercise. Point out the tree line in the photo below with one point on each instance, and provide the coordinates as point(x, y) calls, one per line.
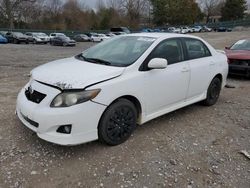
point(75, 15)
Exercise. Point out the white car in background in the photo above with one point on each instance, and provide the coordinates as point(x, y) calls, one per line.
point(38, 38)
point(174, 30)
point(184, 30)
point(105, 91)
point(188, 29)
point(197, 29)
point(53, 35)
point(110, 35)
point(207, 29)
point(99, 37)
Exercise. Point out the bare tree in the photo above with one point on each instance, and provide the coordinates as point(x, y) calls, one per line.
point(134, 10)
point(9, 9)
point(115, 4)
point(54, 7)
point(211, 7)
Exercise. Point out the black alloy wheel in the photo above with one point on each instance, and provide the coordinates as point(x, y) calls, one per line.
point(213, 92)
point(118, 122)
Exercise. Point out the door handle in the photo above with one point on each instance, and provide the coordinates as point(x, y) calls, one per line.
point(185, 69)
point(212, 63)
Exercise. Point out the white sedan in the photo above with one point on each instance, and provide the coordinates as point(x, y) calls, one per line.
point(99, 37)
point(104, 92)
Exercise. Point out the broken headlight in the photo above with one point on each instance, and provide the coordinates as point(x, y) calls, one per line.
point(70, 98)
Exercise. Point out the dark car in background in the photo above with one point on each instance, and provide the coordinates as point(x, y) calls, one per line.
point(81, 38)
point(62, 40)
point(17, 37)
point(120, 30)
point(239, 58)
point(223, 29)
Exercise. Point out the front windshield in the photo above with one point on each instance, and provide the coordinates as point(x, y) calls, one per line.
point(37, 35)
point(241, 45)
point(18, 34)
point(119, 51)
point(41, 34)
point(61, 35)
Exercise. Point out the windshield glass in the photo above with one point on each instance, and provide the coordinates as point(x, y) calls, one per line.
point(61, 35)
point(18, 34)
point(41, 34)
point(241, 45)
point(37, 35)
point(120, 51)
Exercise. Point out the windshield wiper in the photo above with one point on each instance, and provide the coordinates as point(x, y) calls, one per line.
point(93, 60)
point(99, 61)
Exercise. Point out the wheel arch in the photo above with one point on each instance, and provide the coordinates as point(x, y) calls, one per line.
point(134, 101)
point(219, 75)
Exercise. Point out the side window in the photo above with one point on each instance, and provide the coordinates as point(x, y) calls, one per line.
point(196, 49)
point(170, 50)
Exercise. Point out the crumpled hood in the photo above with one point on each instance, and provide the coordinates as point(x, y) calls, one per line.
point(238, 54)
point(71, 73)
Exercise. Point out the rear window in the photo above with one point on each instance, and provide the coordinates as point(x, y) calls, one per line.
point(196, 49)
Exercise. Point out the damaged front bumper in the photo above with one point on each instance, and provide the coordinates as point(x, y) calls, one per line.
point(45, 121)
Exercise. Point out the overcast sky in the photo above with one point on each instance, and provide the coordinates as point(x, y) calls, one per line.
point(90, 3)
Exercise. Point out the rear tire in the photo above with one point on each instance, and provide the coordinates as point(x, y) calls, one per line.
point(213, 92)
point(117, 123)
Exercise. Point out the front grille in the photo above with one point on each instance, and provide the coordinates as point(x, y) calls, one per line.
point(33, 123)
point(239, 62)
point(34, 96)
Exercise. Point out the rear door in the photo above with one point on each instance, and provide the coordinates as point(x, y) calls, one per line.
point(201, 63)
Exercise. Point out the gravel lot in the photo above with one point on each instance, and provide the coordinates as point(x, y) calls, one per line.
point(193, 147)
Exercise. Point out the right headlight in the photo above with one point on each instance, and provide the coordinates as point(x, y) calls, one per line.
point(70, 98)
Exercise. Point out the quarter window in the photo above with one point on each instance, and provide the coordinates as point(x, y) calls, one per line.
point(196, 49)
point(171, 50)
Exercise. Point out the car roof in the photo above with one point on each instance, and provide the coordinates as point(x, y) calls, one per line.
point(162, 35)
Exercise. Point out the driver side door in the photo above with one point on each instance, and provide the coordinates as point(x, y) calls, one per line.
point(166, 88)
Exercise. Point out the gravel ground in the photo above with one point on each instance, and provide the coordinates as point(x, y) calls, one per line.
point(193, 147)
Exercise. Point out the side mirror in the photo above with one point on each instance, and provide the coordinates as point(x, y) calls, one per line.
point(158, 63)
point(227, 48)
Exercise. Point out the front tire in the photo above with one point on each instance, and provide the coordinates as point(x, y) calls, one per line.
point(213, 92)
point(117, 123)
